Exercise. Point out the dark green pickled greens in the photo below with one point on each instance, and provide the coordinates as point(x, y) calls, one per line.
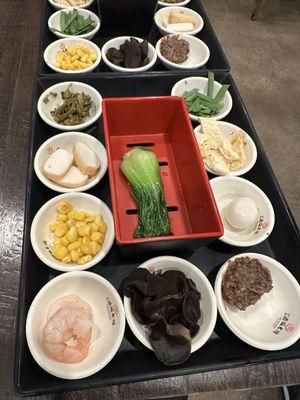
point(141, 168)
point(203, 105)
point(73, 23)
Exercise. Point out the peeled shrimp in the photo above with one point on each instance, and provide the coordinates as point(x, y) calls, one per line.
point(68, 331)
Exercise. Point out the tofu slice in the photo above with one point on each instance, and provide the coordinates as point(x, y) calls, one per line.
point(211, 129)
point(74, 178)
point(85, 159)
point(58, 164)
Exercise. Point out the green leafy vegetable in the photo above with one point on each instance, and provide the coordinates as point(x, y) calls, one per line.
point(141, 168)
point(74, 24)
point(205, 105)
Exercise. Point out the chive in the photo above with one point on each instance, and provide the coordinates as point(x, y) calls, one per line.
point(221, 93)
point(62, 20)
point(210, 85)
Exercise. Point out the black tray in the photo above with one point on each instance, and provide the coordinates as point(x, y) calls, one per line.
point(217, 60)
point(223, 350)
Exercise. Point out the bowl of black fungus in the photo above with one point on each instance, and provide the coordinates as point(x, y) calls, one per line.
point(170, 307)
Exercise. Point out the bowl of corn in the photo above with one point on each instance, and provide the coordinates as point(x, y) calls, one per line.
point(72, 56)
point(72, 232)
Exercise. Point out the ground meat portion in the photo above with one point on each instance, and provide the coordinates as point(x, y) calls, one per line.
point(174, 49)
point(245, 281)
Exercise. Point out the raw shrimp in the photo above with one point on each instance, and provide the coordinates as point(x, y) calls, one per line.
point(68, 331)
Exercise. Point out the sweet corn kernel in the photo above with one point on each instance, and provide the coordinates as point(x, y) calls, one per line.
point(84, 58)
point(54, 225)
point(89, 219)
point(56, 241)
point(102, 226)
point(97, 236)
point(85, 249)
point(72, 234)
point(61, 217)
point(80, 253)
point(70, 222)
point(79, 215)
point(70, 214)
point(60, 251)
point(64, 240)
point(63, 207)
point(84, 259)
point(61, 230)
point(84, 230)
point(86, 240)
point(94, 247)
point(74, 255)
point(74, 245)
point(94, 227)
point(79, 52)
point(66, 259)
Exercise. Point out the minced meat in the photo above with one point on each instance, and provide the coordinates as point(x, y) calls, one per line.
point(174, 49)
point(245, 281)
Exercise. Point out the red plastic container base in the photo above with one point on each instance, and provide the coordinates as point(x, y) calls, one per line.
point(160, 124)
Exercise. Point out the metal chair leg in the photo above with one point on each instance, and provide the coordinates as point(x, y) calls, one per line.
point(258, 7)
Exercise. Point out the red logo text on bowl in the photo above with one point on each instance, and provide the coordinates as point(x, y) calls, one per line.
point(151, 269)
point(289, 328)
point(265, 224)
point(49, 150)
point(62, 46)
point(115, 309)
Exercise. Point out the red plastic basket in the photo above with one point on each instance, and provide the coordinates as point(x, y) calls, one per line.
point(160, 124)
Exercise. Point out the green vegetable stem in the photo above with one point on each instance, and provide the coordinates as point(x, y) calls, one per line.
point(205, 105)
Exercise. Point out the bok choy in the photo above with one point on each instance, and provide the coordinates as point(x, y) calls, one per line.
point(141, 168)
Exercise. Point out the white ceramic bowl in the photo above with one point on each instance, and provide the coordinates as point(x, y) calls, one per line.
point(198, 55)
point(250, 149)
point(106, 337)
point(61, 7)
point(180, 4)
point(54, 23)
point(200, 83)
point(67, 141)
point(207, 303)
point(61, 44)
point(116, 43)
point(229, 188)
point(163, 12)
point(259, 324)
point(44, 110)
point(41, 237)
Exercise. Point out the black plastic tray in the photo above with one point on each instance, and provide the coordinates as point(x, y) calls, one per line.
point(223, 350)
point(217, 61)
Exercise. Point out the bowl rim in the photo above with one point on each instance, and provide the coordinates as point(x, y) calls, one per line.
point(249, 165)
point(83, 36)
point(31, 343)
point(181, 3)
point(213, 316)
point(56, 264)
point(70, 128)
point(122, 69)
point(61, 189)
point(218, 116)
point(221, 308)
point(88, 43)
point(181, 8)
point(266, 201)
point(61, 7)
point(179, 66)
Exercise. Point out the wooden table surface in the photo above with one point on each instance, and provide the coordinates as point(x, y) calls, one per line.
point(19, 40)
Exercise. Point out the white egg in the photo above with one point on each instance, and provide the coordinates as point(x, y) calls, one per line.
point(241, 213)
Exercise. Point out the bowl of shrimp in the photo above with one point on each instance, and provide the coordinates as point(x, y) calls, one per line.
point(72, 232)
point(75, 325)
